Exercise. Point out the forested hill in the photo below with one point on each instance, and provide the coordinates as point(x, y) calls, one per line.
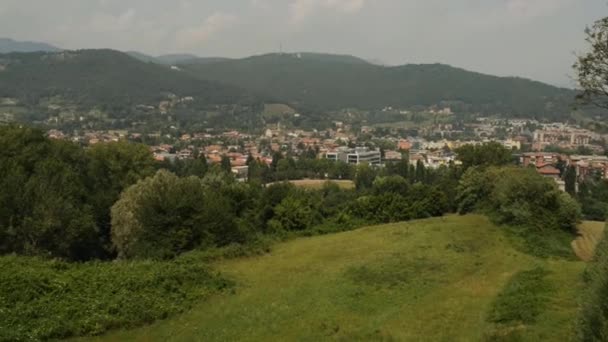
point(333, 82)
point(8, 45)
point(103, 78)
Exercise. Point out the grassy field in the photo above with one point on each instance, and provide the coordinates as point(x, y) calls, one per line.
point(317, 184)
point(456, 278)
point(591, 234)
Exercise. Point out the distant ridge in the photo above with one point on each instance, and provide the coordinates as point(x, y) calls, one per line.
point(103, 78)
point(175, 59)
point(334, 82)
point(8, 45)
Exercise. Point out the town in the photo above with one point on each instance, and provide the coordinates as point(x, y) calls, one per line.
point(549, 147)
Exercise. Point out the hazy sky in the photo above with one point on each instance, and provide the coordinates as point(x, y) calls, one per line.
point(531, 38)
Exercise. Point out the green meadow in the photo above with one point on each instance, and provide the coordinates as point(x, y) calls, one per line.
point(455, 278)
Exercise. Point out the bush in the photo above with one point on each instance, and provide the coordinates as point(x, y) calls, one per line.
point(518, 197)
point(41, 299)
point(160, 217)
point(163, 216)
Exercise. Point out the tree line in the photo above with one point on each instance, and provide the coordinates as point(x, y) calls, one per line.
point(112, 200)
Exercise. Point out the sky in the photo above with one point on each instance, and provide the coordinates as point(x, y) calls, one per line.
point(537, 39)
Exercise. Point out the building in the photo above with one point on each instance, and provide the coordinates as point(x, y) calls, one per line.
point(539, 158)
point(359, 155)
point(404, 145)
point(589, 166)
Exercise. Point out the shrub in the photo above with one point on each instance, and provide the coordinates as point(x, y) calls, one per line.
point(41, 299)
point(160, 217)
point(518, 197)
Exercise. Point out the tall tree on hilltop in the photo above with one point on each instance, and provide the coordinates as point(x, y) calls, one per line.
point(592, 67)
point(570, 179)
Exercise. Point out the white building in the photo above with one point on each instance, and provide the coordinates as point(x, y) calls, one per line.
point(355, 156)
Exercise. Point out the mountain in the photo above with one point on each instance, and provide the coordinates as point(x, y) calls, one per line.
point(203, 60)
point(330, 82)
point(8, 45)
point(106, 80)
point(175, 58)
point(143, 57)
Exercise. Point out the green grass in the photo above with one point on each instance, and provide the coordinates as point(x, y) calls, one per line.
point(430, 280)
point(317, 184)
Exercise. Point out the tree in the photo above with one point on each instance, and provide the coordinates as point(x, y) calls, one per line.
point(44, 203)
point(226, 164)
point(570, 179)
point(592, 67)
point(276, 157)
point(160, 217)
point(112, 168)
point(364, 177)
point(490, 154)
point(294, 213)
point(391, 184)
point(420, 172)
point(196, 167)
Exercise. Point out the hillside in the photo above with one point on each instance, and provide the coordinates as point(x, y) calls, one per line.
point(104, 80)
point(173, 59)
point(455, 278)
point(102, 77)
point(8, 45)
point(335, 82)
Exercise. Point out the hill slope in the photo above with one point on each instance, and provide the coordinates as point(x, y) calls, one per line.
point(334, 82)
point(173, 59)
point(8, 45)
point(439, 279)
point(105, 78)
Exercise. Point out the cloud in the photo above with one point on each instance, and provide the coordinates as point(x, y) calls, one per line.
point(192, 36)
point(536, 8)
point(302, 9)
point(104, 22)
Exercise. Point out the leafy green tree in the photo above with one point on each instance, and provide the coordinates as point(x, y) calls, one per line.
point(112, 168)
point(518, 197)
point(591, 67)
point(342, 170)
point(391, 184)
point(160, 217)
point(399, 168)
point(364, 178)
point(490, 154)
point(276, 157)
point(570, 179)
point(294, 214)
point(192, 167)
point(44, 207)
point(226, 164)
point(420, 172)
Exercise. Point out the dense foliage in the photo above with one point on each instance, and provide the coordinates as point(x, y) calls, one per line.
point(42, 299)
point(56, 196)
point(593, 196)
point(163, 216)
point(339, 83)
point(490, 154)
point(518, 197)
point(592, 74)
